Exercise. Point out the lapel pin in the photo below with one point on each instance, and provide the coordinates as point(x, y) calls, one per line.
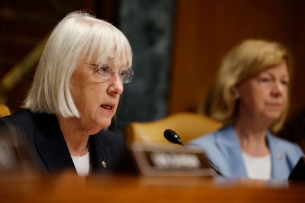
point(104, 164)
point(279, 156)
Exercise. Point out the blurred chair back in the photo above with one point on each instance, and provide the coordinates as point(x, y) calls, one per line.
point(187, 125)
point(4, 110)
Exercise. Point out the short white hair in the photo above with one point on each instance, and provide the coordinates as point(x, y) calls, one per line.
point(78, 37)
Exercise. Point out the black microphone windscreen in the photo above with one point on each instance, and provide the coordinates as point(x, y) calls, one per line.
point(172, 136)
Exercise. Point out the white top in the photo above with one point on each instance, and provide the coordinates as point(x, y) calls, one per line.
point(258, 167)
point(82, 164)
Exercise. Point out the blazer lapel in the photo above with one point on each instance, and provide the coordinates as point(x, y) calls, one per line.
point(278, 163)
point(100, 154)
point(50, 143)
point(231, 151)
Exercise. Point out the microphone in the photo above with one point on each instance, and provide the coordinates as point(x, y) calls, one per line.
point(174, 138)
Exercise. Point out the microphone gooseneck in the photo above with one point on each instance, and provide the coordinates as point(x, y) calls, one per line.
point(174, 138)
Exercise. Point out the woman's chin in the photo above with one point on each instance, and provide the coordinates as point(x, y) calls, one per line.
point(274, 115)
point(271, 118)
point(105, 123)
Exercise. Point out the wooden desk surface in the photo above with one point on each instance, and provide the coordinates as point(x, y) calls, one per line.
point(69, 187)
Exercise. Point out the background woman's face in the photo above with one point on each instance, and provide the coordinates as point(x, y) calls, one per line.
point(96, 100)
point(264, 96)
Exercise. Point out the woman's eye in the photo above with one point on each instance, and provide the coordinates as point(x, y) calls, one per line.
point(104, 70)
point(123, 72)
point(284, 82)
point(264, 79)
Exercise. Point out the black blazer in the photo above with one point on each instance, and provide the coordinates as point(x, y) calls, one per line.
point(48, 149)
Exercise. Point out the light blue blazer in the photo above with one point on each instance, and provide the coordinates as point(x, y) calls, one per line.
point(223, 150)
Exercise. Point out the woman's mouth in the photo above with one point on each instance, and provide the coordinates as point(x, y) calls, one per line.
point(274, 104)
point(107, 107)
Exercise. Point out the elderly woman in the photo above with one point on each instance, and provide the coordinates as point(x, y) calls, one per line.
point(74, 95)
point(251, 97)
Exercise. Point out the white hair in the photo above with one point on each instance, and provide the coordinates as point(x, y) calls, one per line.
point(78, 37)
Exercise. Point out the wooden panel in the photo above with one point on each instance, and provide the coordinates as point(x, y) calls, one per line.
point(205, 30)
point(297, 93)
point(121, 188)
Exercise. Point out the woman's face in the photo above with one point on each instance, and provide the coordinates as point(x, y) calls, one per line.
point(264, 96)
point(97, 100)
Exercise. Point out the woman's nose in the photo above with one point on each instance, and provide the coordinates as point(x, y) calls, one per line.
point(278, 88)
point(116, 84)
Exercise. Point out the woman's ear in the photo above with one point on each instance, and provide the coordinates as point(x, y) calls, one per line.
point(234, 92)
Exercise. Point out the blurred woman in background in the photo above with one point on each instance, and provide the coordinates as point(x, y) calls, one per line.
point(251, 98)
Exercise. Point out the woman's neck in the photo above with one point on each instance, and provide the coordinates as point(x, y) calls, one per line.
point(252, 136)
point(75, 136)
